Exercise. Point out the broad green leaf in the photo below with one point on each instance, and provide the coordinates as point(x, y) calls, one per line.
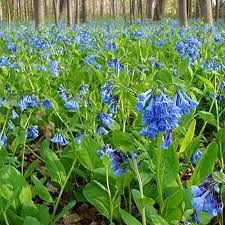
point(205, 164)
point(41, 190)
point(97, 197)
point(128, 218)
point(124, 141)
point(188, 137)
point(207, 117)
point(164, 76)
point(55, 168)
point(158, 220)
point(31, 220)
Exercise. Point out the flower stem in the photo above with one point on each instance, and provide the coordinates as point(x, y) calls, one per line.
point(141, 190)
point(110, 196)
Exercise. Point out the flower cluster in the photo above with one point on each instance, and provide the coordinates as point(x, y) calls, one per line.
point(189, 49)
point(213, 64)
point(108, 98)
point(207, 198)
point(59, 139)
point(116, 65)
point(90, 60)
point(32, 132)
point(118, 159)
point(160, 114)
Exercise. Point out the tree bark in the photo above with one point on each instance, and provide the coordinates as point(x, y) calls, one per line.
point(56, 11)
point(217, 10)
point(183, 13)
point(113, 9)
point(140, 9)
point(84, 11)
point(69, 13)
point(206, 11)
point(39, 13)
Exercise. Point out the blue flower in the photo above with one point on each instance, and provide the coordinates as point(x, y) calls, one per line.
point(14, 114)
point(3, 139)
point(32, 132)
point(105, 119)
point(46, 104)
point(167, 140)
point(116, 65)
point(28, 102)
point(62, 93)
point(143, 100)
point(117, 159)
point(54, 68)
point(78, 137)
point(59, 139)
point(207, 197)
point(101, 130)
point(154, 63)
point(83, 89)
point(196, 156)
point(110, 46)
point(72, 104)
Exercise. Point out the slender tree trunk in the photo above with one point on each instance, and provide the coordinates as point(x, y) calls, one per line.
point(183, 13)
point(130, 11)
point(93, 9)
point(101, 9)
point(206, 11)
point(113, 9)
point(84, 11)
point(140, 11)
point(8, 14)
point(197, 10)
point(123, 4)
point(39, 13)
point(77, 12)
point(69, 13)
point(133, 9)
point(217, 10)
point(56, 11)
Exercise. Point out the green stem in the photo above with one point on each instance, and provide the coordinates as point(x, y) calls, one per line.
point(61, 192)
point(141, 190)
point(5, 217)
point(110, 196)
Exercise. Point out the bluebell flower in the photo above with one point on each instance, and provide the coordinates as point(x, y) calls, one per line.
point(90, 60)
point(196, 156)
point(4, 61)
point(28, 102)
point(54, 68)
point(78, 137)
point(137, 34)
point(59, 139)
point(184, 102)
point(10, 125)
point(143, 100)
point(167, 140)
point(3, 139)
point(62, 93)
point(195, 217)
point(72, 104)
point(110, 46)
point(32, 132)
point(46, 104)
point(116, 65)
point(117, 159)
point(101, 130)
point(2, 100)
point(14, 114)
point(154, 63)
point(83, 89)
point(105, 119)
point(106, 92)
point(217, 96)
point(207, 197)
point(222, 85)
point(160, 43)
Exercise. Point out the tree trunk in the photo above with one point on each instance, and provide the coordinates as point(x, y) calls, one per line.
point(84, 11)
point(183, 13)
point(133, 9)
point(101, 9)
point(69, 13)
point(56, 11)
point(39, 13)
point(217, 10)
point(206, 11)
point(113, 9)
point(93, 9)
point(140, 9)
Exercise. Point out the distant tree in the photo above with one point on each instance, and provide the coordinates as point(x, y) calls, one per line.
point(183, 13)
point(140, 11)
point(56, 7)
point(84, 11)
point(69, 13)
point(217, 9)
point(39, 12)
point(113, 9)
point(206, 11)
point(101, 8)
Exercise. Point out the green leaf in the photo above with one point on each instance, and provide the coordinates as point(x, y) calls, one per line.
point(31, 220)
point(158, 220)
point(207, 117)
point(41, 190)
point(206, 81)
point(219, 177)
point(124, 141)
point(128, 218)
point(164, 76)
point(205, 164)
point(54, 166)
point(188, 137)
point(31, 168)
point(98, 197)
